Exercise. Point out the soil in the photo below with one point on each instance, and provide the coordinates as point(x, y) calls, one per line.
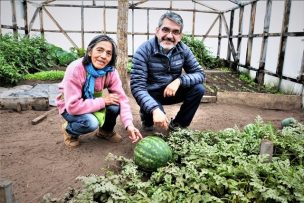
point(37, 162)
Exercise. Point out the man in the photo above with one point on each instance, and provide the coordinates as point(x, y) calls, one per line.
point(157, 76)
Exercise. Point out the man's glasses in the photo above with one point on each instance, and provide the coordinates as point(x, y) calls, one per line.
point(167, 30)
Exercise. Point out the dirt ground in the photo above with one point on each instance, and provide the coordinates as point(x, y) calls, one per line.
point(37, 162)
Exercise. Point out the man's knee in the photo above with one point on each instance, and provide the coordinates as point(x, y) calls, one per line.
point(199, 89)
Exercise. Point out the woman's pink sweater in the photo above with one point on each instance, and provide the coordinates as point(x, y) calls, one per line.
point(70, 97)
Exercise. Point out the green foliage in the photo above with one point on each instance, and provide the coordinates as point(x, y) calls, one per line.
point(222, 166)
point(9, 74)
point(202, 54)
point(23, 55)
point(45, 75)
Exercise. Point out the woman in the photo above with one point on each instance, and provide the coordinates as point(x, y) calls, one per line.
point(79, 103)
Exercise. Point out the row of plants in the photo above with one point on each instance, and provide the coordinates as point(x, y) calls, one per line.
point(21, 55)
point(223, 166)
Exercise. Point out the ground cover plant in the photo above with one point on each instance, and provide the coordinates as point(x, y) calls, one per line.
point(223, 166)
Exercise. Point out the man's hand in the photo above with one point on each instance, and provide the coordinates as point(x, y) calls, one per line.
point(171, 89)
point(160, 119)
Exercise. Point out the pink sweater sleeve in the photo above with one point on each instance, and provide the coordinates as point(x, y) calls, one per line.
point(115, 86)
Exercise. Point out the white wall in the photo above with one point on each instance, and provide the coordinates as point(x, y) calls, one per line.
point(94, 21)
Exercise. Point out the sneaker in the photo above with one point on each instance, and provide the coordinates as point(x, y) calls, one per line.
point(67, 138)
point(110, 136)
point(173, 126)
point(146, 128)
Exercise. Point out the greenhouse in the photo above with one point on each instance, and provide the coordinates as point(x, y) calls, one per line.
point(244, 143)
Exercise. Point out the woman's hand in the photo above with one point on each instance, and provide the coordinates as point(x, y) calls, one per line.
point(111, 99)
point(134, 133)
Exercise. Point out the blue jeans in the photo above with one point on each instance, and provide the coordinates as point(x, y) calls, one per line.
point(191, 98)
point(86, 123)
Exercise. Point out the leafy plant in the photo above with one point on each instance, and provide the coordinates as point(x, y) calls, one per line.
point(202, 54)
point(222, 166)
point(23, 55)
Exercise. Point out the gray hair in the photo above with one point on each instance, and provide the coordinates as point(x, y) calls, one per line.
point(172, 16)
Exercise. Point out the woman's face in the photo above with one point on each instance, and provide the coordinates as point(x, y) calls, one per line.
point(101, 54)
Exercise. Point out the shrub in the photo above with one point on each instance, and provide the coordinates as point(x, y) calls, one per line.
point(24, 55)
point(202, 54)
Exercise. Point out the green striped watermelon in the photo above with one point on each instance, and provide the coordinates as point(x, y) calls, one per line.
point(151, 153)
point(288, 122)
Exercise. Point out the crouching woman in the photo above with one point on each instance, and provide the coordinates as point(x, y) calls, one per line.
point(84, 104)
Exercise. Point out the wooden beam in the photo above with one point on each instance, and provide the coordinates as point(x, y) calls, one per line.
point(216, 19)
point(14, 18)
point(251, 31)
point(283, 40)
point(122, 43)
point(229, 34)
point(193, 21)
point(205, 5)
point(240, 32)
point(230, 43)
point(219, 37)
point(137, 3)
point(33, 19)
point(25, 17)
point(0, 22)
point(104, 18)
point(82, 25)
point(41, 23)
point(260, 73)
point(60, 28)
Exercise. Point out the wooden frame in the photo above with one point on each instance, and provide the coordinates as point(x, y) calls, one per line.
point(232, 51)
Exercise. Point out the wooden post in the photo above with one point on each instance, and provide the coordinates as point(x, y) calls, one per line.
point(41, 22)
point(266, 148)
point(14, 19)
point(6, 192)
point(26, 30)
point(230, 32)
point(0, 22)
point(122, 43)
point(240, 32)
point(250, 34)
point(283, 41)
point(104, 18)
point(230, 43)
point(193, 21)
point(260, 73)
point(148, 25)
point(210, 28)
point(219, 37)
point(82, 24)
point(133, 29)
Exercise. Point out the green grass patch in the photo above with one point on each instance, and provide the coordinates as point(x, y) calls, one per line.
point(45, 75)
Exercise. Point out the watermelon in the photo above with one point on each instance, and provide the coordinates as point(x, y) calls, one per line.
point(288, 122)
point(151, 153)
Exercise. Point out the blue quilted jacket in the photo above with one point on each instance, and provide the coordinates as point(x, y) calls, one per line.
point(152, 70)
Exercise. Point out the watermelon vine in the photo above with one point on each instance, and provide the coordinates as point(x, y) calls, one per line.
point(222, 166)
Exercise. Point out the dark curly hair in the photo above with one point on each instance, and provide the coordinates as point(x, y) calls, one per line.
point(87, 59)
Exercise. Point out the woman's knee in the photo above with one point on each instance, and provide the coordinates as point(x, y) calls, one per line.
point(91, 122)
point(113, 109)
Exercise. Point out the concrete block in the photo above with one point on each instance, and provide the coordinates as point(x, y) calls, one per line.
point(261, 100)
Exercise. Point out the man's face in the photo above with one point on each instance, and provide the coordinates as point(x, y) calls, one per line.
point(169, 34)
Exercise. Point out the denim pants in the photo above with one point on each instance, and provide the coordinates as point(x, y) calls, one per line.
point(86, 123)
point(191, 98)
